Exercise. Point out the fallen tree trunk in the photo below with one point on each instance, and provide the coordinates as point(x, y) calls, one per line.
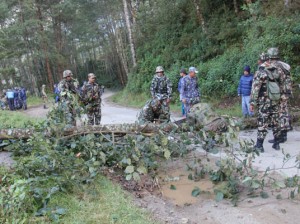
point(214, 123)
point(118, 129)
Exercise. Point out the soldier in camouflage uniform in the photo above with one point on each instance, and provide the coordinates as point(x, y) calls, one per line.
point(91, 97)
point(286, 92)
point(151, 112)
point(161, 89)
point(190, 90)
point(268, 110)
point(68, 90)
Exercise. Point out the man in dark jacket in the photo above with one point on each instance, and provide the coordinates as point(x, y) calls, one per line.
point(244, 90)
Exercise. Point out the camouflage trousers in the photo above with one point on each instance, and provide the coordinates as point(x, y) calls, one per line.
point(164, 113)
point(94, 115)
point(284, 116)
point(268, 116)
point(189, 103)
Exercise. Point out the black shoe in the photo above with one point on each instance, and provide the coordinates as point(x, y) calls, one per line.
point(282, 138)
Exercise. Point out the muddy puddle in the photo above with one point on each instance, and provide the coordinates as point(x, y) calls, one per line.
point(178, 186)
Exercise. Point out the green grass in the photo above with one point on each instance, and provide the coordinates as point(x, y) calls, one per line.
point(15, 119)
point(127, 99)
point(233, 111)
point(101, 202)
point(35, 101)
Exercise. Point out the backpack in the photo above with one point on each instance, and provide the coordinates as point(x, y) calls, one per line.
point(273, 89)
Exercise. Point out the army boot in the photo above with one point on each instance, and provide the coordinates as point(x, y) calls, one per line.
point(282, 139)
point(283, 136)
point(259, 145)
point(276, 143)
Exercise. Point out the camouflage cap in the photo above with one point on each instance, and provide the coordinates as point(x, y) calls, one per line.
point(67, 73)
point(155, 104)
point(159, 69)
point(273, 52)
point(263, 56)
point(91, 75)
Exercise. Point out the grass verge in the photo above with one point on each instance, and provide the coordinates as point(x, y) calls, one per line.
point(100, 202)
point(16, 119)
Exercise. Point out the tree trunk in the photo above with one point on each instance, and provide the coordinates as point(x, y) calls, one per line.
point(130, 33)
point(200, 18)
point(116, 129)
point(286, 3)
point(44, 47)
point(236, 9)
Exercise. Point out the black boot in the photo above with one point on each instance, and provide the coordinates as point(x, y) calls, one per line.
point(283, 136)
point(259, 145)
point(282, 139)
point(276, 143)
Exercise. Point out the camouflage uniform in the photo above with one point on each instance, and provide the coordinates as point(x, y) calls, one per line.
point(268, 110)
point(151, 112)
point(286, 92)
point(91, 97)
point(161, 88)
point(190, 92)
point(68, 90)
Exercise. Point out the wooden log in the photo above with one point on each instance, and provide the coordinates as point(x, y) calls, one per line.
point(118, 129)
point(213, 124)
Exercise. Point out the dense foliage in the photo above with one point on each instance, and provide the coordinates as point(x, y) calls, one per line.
point(228, 41)
point(123, 41)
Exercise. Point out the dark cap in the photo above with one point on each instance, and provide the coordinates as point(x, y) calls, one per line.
point(183, 70)
point(247, 68)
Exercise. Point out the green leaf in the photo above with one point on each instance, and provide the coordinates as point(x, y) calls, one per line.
point(280, 184)
point(142, 169)
point(136, 176)
point(219, 196)
point(173, 187)
point(247, 179)
point(60, 211)
point(96, 163)
point(167, 154)
point(196, 192)
point(129, 169)
point(128, 177)
point(73, 145)
point(164, 141)
point(255, 184)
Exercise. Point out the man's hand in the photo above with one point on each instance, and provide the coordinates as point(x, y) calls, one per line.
point(251, 107)
point(168, 100)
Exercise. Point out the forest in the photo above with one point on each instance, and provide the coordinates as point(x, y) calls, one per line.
point(122, 41)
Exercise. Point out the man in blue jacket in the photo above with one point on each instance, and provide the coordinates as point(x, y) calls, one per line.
point(244, 90)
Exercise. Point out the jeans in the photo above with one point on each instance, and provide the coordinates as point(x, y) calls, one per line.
point(246, 106)
point(182, 109)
